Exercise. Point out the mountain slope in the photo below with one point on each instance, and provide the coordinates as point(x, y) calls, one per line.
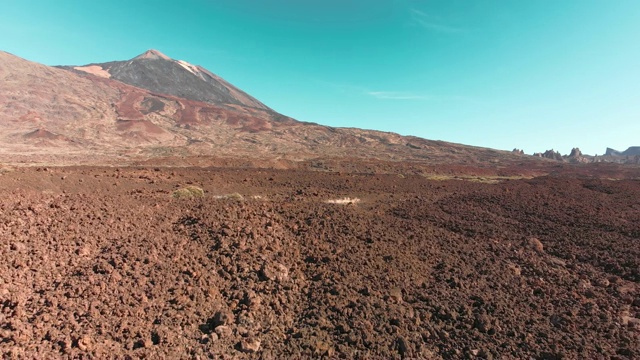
point(631, 151)
point(158, 73)
point(55, 116)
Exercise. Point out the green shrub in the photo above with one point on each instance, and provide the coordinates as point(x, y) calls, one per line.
point(188, 192)
point(235, 196)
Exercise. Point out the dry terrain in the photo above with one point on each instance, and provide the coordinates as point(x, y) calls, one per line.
point(100, 262)
point(231, 231)
point(69, 117)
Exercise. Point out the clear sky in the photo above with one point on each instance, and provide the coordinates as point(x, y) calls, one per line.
point(535, 74)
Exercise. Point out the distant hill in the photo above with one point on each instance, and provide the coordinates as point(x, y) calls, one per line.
point(93, 114)
point(631, 151)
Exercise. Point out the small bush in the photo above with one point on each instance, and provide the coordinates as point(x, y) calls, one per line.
point(235, 196)
point(188, 192)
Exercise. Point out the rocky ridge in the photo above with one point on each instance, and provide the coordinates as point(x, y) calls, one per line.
point(631, 151)
point(630, 156)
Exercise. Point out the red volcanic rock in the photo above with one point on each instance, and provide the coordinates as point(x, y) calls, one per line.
point(421, 268)
point(536, 245)
point(250, 345)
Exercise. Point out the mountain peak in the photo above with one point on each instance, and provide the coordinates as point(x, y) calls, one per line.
point(172, 77)
point(152, 54)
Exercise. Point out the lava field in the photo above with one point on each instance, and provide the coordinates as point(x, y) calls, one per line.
point(104, 262)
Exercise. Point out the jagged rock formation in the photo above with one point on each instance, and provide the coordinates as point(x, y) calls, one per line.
point(517, 151)
point(576, 157)
point(611, 156)
point(550, 154)
point(575, 152)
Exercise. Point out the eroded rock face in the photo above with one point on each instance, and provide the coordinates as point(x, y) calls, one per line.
point(550, 154)
point(575, 152)
point(631, 151)
point(576, 157)
point(114, 266)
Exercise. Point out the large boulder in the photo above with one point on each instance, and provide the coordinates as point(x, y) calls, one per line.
point(575, 152)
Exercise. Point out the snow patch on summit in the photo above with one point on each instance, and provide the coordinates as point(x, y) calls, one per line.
point(191, 68)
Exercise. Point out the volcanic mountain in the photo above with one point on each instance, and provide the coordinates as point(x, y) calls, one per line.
point(158, 73)
point(152, 107)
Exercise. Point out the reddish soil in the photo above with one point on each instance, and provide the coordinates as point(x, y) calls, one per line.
point(43, 134)
point(143, 126)
point(128, 109)
point(104, 262)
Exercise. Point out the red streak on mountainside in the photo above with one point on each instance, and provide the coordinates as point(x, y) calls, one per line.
point(144, 126)
point(128, 107)
point(187, 115)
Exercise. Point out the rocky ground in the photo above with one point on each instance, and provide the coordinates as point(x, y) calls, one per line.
point(105, 262)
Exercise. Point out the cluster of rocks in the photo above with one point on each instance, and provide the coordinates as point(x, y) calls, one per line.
point(418, 269)
point(577, 157)
point(550, 154)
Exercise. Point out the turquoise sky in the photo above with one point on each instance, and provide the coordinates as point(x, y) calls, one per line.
point(496, 73)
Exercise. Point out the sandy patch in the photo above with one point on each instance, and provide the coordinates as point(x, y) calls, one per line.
point(191, 68)
point(95, 70)
point(343, 201)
